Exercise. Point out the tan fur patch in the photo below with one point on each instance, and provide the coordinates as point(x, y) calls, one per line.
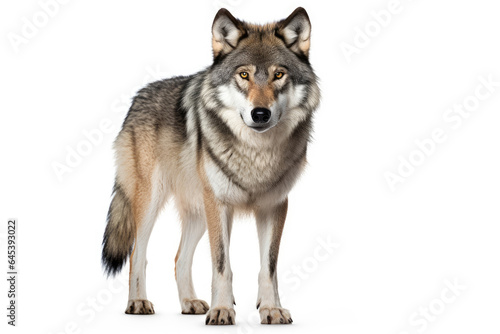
point(279, 218)
point(260, 96)
point(212, 212)
point(145, 160)
point(214, 222)
point(218, 47)
point(136, 160)
point(176, 258)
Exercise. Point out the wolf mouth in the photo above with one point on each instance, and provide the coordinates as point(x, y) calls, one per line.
point(260, 129)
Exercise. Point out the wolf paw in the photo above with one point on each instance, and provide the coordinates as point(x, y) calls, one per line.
point(220, 316)
point(275, 315)
point(140, 306)
point(194, 306)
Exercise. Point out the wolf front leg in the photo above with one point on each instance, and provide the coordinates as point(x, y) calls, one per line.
point(219, 223)
point(270, 222)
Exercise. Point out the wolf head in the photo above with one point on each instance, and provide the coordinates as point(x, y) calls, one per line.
point(262, 72)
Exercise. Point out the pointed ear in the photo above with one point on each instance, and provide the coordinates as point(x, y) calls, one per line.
point(226, 32)
point(295, 30)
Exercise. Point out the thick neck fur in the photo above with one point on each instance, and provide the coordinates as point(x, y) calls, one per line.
point(254, 161)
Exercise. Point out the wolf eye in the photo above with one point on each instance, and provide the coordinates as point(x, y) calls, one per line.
point(278, 75)
point(244, 75)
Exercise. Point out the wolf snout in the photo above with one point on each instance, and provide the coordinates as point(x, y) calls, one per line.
point(261, 115)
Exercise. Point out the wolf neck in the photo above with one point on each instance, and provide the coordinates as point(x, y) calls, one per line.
point(254, 162)
point(251, 168)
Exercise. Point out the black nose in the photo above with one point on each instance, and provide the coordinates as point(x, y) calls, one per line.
point(261, 115)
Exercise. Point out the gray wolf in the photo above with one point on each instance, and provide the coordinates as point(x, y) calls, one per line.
point(230, 139)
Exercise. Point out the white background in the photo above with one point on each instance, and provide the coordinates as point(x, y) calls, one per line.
point(396, 249)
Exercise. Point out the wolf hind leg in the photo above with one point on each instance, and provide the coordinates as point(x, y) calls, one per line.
point(193, 228)
point(148, 201)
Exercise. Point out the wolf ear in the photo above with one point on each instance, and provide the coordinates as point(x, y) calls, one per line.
point(295, 31)
point(226, 32)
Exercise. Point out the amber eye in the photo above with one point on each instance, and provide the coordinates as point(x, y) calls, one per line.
point(278, 75)
point(244, 75)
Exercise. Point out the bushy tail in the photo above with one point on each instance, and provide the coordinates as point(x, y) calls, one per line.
point(119, 236)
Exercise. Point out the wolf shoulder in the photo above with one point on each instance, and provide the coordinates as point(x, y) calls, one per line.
point(159, 108)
